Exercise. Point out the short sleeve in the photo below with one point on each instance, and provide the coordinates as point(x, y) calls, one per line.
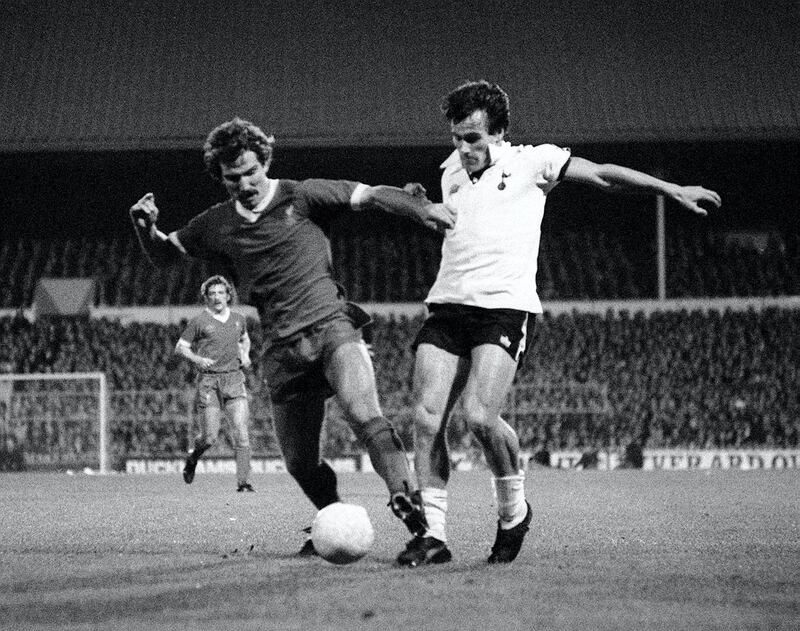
point(190, 332)
point(192, 236)
point(547, 163)
point(329, 197)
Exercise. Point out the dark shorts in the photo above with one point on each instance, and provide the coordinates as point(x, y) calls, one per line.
point(458, 329)
point(296, 365)
point(215, 389)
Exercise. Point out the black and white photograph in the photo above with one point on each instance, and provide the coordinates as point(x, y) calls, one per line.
point(430, 315)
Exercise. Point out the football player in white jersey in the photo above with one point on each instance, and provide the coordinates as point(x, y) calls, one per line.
point(483, 303)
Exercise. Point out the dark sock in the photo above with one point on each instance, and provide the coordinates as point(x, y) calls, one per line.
point(200, 448)
point(319, 484)
point(386, 451)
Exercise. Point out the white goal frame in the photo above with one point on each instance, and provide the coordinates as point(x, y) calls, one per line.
point(103, 442)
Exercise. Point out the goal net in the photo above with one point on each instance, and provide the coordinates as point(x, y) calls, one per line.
point(57, 420)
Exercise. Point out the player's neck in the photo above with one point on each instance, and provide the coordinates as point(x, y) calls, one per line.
point(222, 316)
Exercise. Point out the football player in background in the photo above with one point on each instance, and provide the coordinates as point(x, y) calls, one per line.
point(217, 343)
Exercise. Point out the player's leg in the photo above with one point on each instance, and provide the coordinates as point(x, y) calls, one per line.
point(349, 371)
point(491, 375)
point(237, 408)
point(209, 408)
point(238, 411)
point(298, 422)
point(438, 379)
point(490, 378)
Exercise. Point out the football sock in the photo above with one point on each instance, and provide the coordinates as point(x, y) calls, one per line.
point(200, 447)
point(434, 503)
point(386, 452)
point(242, 464)
point(319, 484)
point(510, 494)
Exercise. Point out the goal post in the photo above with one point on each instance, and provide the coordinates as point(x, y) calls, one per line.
point(59, 419)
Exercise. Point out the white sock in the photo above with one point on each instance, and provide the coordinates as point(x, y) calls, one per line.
point(509, 492)
point(434, 503)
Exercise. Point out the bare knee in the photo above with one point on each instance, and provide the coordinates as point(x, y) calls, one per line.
point(428, 420)
point(480, 422)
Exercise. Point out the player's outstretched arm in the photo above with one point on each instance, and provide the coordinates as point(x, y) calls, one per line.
point(160, 248)
point(618, 179)
point(413, 205)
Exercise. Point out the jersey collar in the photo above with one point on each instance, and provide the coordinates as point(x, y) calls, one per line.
point(256, 212)
point(222, 317)
point(496, 152)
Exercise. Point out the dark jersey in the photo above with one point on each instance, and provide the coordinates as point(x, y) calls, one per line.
point(216, 340)
point(282, 261)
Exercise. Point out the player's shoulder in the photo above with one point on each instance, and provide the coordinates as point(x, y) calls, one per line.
point(213, 214)
point(541, 151)
point(545, 160)
point(316, 185)
point(289, 192)
point(195, 322)
point(199, 317)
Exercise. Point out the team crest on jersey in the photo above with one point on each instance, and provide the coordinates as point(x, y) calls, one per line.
point(290, 215)
point(505, 341)
point(454, 189)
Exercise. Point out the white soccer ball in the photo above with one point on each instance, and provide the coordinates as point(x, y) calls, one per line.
point(342, 533)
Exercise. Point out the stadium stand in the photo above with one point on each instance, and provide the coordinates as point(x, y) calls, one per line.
point(375, 268)
point(671, 379)
point(674, 379)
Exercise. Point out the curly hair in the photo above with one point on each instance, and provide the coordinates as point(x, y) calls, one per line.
point(227, 141)
point(478, 95)
point(216, 280)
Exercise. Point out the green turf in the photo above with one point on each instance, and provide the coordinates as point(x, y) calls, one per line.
point(607, 550)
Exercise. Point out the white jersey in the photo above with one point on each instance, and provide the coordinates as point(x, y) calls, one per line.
point(489, 256)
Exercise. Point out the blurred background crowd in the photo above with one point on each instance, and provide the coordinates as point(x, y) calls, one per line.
point(386, 260)
point(700, 379)
point(105, 106)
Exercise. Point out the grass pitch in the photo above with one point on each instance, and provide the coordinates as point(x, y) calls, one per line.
point(607, 550)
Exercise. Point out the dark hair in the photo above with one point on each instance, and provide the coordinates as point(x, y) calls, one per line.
point(216, 280)
point(227, 141)
point(478, 95)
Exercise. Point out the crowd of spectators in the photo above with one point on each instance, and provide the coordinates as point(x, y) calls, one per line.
point(399, 262)
point(669, 379)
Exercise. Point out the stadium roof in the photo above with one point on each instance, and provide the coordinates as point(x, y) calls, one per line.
point(145, 74)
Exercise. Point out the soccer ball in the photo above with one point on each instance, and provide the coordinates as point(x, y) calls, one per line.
point(342, 533)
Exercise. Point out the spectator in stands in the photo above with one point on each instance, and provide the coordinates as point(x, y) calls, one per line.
point(273, 234)
point(217, 343)
point(484, 302)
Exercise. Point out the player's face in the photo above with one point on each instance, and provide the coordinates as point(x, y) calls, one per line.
point(217, 298)
point(245, 179)
point(471, 139)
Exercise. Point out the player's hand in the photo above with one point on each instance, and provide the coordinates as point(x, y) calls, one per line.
point(439, 217)
point(144, 213)
point(416, 189)
point(691, 196)
point(204, 362)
